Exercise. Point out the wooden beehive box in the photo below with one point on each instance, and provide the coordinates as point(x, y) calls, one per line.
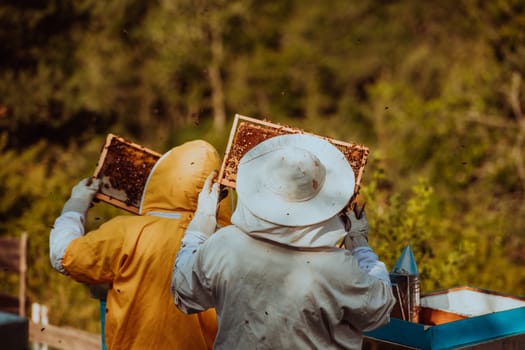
point(124, 168)
point(247, 132)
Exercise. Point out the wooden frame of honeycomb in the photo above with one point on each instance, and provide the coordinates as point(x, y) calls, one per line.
point(247, 132)
point(124, 168)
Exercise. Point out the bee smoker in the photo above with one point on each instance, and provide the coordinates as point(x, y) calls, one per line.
point(406, 287)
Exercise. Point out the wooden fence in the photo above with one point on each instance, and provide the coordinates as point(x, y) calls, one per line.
point(63, 338)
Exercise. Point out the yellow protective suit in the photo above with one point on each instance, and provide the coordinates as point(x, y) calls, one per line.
point(135, 254)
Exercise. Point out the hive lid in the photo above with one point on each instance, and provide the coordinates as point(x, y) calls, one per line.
point(471, 301)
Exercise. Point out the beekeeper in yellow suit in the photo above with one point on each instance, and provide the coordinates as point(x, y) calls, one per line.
point(135, 254)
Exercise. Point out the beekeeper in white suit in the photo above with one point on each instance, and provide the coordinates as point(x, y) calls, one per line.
point(276, 276)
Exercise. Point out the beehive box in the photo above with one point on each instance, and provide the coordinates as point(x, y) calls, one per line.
point(464, 302)
point(458, 318)
point(123, 168)
point(14, 331)
point(248, 132)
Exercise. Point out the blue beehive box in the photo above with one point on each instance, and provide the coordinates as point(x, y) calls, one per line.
point(14, 332)
point(462, 317)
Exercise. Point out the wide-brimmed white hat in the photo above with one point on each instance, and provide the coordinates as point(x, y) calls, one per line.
point(295, 180)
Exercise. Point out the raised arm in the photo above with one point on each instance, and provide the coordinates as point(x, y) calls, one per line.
point(357, 242)
point(188, 293)
point(70, 224)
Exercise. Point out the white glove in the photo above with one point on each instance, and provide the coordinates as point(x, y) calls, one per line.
point(205, 219)
point(358, 233)
point(82, 195)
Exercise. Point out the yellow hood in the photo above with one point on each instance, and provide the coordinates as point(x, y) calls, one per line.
point(178, 176)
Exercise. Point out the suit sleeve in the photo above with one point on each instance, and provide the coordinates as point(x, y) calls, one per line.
point(367, 300)
point(189, 286)
point(68, 227)
point(94, 258)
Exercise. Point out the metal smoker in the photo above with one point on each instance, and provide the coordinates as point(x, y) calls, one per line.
point(406, 287)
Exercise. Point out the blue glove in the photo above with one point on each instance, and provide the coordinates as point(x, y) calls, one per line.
point(82, 195)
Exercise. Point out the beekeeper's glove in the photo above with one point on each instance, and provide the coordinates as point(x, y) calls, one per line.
point(357, 236)
point(82, 195)
point(205, 219)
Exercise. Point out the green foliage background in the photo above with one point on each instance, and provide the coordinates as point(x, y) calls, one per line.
point(434, 89)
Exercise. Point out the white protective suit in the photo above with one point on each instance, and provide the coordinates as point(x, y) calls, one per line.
point(279, 287)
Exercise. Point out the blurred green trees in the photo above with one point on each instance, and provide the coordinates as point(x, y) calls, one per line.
point(434, 89)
